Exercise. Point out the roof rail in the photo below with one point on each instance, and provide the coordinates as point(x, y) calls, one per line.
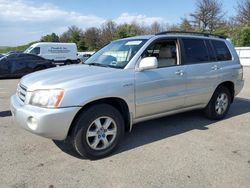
point(191, 33)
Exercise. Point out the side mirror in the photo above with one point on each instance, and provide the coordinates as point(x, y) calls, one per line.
point(148, 63)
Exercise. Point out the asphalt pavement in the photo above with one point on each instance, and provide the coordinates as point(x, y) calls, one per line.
point(184, 150)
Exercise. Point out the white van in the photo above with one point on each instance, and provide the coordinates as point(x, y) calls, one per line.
point(244, 55)
point(60, 53)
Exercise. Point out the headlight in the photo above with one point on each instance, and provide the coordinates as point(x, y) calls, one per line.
point(47, 98)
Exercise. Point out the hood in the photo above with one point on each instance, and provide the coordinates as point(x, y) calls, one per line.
point(66, 76)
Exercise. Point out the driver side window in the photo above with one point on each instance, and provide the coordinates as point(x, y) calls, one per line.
point(35, 51)
point(165, 51)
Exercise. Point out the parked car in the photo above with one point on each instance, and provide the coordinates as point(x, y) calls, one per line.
point(83, 56)
point(59, 53)
point(20, 64)
point(129, 81)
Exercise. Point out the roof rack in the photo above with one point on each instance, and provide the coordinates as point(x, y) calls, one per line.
point(191, 33)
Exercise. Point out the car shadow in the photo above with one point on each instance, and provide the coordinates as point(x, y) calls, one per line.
point(162, 128)
point(5, 113)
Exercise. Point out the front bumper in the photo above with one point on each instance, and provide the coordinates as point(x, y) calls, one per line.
point(49, 123)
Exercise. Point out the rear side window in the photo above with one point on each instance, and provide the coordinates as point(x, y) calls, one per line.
point(195, 51)
point(221, 51)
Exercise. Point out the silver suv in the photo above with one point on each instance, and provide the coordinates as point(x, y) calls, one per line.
point(129, 81)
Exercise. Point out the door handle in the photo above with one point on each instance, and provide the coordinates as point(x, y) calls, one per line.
point(179, 72)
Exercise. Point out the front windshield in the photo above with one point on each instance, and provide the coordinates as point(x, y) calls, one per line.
point(4, 57)
point(117, 54)
point(28, 50)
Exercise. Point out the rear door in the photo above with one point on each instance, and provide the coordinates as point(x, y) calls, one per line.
point(19, 64)
point(203, 71)
point(162, 89)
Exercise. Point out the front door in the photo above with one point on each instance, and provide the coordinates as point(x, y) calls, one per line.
point(162, 89)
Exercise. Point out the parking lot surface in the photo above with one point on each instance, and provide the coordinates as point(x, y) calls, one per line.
point(184, 150)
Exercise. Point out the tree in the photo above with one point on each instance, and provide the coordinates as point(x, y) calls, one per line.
point(81, 45)
point(243, 13)
point(73, 34)
point(65, 37)
point(155, 28)
point(92, 38)
point(108, 31)
point(208, 15)
point(75, 37)
point(129, 30)
point(243, 38)
point(186, 25)
point(50, 38)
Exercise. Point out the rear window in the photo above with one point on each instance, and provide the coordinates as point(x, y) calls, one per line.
point(221, 51)
point(195, 51)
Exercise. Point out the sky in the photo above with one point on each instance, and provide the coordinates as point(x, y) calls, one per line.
point(24, 21)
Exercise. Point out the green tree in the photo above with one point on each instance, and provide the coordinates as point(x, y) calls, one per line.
point(50, 38)
point(75, 37)
point(243, 37)
point(128, 30)
point(81, 45)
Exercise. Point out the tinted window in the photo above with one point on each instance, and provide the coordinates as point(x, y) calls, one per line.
point(211, 53)
point(221, 51)
point(35, 50)
point(195, 51)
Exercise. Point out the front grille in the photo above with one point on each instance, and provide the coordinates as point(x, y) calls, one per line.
point(21, 92)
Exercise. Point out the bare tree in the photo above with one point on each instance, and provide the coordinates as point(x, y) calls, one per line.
point(92, 38)
point(208, 15)
point(108, 30)
point(155, 27)
point(243, 12)
point(185, 25)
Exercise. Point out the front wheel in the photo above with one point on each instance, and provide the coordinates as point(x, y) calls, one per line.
point(98, 131)
point(219, 104)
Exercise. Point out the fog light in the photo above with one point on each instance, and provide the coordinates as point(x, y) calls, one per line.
point(32, 123)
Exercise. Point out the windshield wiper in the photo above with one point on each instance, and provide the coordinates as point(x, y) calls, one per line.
point(103, 65)
point(97, 64)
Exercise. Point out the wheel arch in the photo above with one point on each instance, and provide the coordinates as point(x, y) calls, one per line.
point(118, 103)
point(230, 86)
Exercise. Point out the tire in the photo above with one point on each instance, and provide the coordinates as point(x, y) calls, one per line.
point(100, 141)
point(219, 104)
point(67, 62)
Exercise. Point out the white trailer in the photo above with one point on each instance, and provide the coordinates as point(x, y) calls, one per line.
point(59, 53)
point(244, 55)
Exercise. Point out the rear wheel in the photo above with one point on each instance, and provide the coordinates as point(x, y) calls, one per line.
point(219, 104)
point(98, 131)
point(68, 62)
